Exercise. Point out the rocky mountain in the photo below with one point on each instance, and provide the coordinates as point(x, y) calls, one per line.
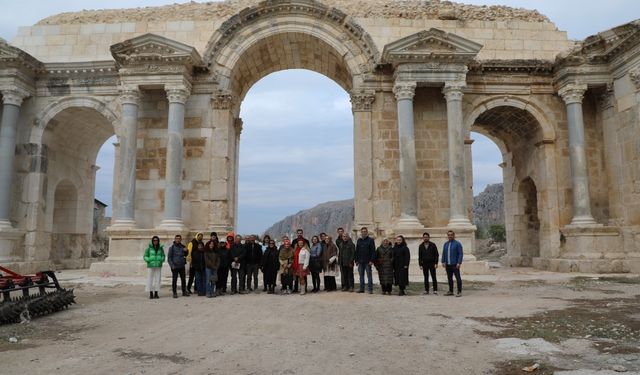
point(488, 209)
point(488, 206)
point(325, 217)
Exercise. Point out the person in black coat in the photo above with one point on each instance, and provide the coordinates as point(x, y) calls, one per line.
point(401, 259)
point(223, 270)
point(198, 264)
point(428, 260)
point(270, 266)
point(253, 260)
point(238, 265)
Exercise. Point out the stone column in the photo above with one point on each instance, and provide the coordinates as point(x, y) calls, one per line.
point(124, 215)
point(173, 177)
point(237, 126)
point(458, 216)
point(404, 92)
point(572, 95)
point(361, 105)
point(12, 99)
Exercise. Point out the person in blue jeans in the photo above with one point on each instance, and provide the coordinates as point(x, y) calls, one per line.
point(364, 257)
point(452, 254)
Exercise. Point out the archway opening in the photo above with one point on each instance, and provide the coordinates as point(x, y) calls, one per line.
point(72, 138)
point(296, 152)
point(516, 133)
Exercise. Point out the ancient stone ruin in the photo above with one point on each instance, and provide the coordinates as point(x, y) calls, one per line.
point(169, 83)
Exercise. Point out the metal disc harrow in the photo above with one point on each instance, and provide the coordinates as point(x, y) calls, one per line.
point(19, 302)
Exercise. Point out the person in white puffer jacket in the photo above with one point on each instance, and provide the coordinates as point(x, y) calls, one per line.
point(302, 266)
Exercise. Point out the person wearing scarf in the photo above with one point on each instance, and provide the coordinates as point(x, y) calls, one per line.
point(285, 258)
point(154, 256)
point(190, 248)
point(270, 265)
point(384, 265)
point(199, 266)
point(330, 264)
point(225, 262)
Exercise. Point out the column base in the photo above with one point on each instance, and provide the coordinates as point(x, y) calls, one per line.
point(123, 224)
point(409, 222)
point(11, 244)
point(584, 221)
point(175, 225)
point(461, 223)
point(5, 225)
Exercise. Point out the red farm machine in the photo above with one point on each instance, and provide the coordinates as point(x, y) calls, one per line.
point(24, 297)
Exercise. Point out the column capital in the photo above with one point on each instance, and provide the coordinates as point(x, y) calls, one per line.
point(222, 99)
point(452, 90)
point(130, 95)
point(606, 99)
point(14, 96)
point(362, 100)
point(572, 93)
point(177, 94)
point(405, 90)
point(634, 75)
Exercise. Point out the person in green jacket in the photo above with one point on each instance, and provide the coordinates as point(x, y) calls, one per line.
point(154, 256)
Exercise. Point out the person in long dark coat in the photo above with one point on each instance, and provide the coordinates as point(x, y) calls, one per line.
point(401, 259)
point(270, 266)
point(384, 265)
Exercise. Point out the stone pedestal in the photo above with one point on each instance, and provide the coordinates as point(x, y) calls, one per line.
point(11, 244)
point(590, 249)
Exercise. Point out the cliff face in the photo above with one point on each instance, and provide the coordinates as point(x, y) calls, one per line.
point(325, 217)
point(488, 206)
point(488, 209)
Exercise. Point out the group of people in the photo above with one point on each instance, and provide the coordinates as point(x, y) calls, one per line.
point(294, 260)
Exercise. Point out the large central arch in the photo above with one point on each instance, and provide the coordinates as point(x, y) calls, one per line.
point(298, 34)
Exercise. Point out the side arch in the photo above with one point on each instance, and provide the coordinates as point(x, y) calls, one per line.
point(484, 104)
point(50, 111)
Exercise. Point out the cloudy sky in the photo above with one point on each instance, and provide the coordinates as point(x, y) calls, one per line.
point(297, 142)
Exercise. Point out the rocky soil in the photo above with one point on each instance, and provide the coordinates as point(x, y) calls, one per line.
point(504, 322)
point(410, 9)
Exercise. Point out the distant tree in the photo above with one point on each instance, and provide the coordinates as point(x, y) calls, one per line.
point(497, 233)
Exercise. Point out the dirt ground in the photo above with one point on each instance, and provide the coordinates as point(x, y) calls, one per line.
point(566, 323)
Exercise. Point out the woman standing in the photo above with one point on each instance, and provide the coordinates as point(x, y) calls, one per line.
point(384, 265)
point(154, 256)
point(330, 264)
point(286, 267)
point(265, 244)
point(315, 263)
point(270, 265)
point(199, 266)
point(401, 259)
point(212, 263)
point(303, 256)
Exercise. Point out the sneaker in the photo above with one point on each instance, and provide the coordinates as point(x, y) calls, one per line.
point(425, 292)
point(371, 292)
point(448, 294)
point(459, 294)
point(435, 292)
point(175, 295)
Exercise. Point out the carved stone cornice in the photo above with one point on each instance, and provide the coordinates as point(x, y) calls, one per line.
point(14, 57)
point(178, 94)
point(431, 45)
point(453, 91)
point(572, 93)
point(222, 99)
point(362, 101)
point(14, 96)
point(151, 54)
point(404, 90)
point(130, 95)
point(634, 76)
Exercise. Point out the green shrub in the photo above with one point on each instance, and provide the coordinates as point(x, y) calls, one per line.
point(497, 233)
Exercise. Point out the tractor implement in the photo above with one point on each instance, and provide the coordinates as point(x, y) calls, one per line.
point(25, 297)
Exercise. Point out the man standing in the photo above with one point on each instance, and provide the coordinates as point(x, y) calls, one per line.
point(254, 259)
point(364, 258)
point(192, 247)
point(177, 261)
point(339, 237)
point(428, 261)
point(452, 260)
point(300, 236)
point(345, 260)
point(238, 263)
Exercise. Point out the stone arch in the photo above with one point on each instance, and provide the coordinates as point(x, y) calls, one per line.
point(485, 104)
point(302, 18)
point(53, 109)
